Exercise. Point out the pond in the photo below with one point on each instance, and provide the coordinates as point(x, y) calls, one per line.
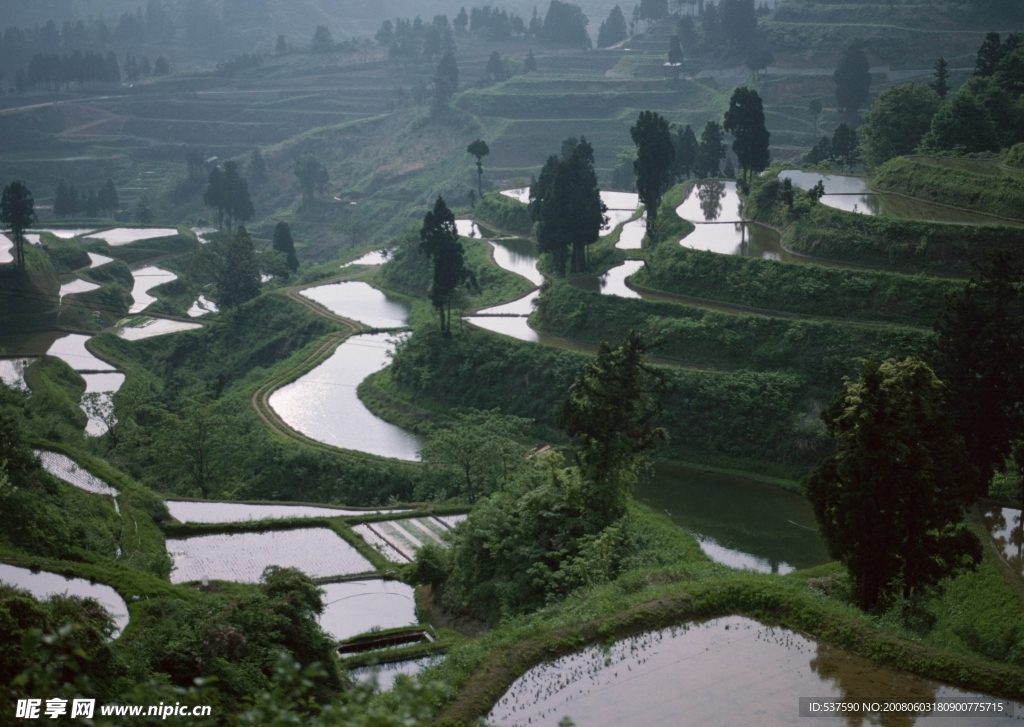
point(739, 522)
point(76, 286)
point(71, 349)
point(202, 306)
point(1004, 523)
point(103, 387)
point(242, 557)
point(12, 371)
point(360, 302)
point(207, 511)
point(323, 403)
point(63, 467)
point(355, 607)
point(613, 282)
point(386, 674)
point(142, 328)
point(403, 537)
point(126, 235)
point(147, 278)
point(632, 235)
point(518, 256)
point(42, 585)
point(726, 671)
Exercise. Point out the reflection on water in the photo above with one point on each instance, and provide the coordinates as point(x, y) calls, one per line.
point(386, 674)
point(711, 201)
point(620, 200)
point(6, 245)
point(207, 511)
point(63, 467)
point(42, 585)
point(95, 259)
point(355, 607)
point(516, 327)
point(748, 523)
point(323, 404)
point(834, 183)
point(615, 218)
point(146, 279)
point(861, 204)
point(520, 194)
point(360, 302)
point(746, 239)
point(125, 235)
point(102, 387)
point(374, 257)
point(518, 256)
point(613, 282)
point(202, 306)
point(12, 371)
point(152, 327)
point(1007, 529)
point(728, 671)
point(242, 557)
point(468, 228)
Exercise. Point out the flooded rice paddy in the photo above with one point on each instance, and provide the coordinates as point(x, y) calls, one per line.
point(76, 286)
point(196, 511)
point(62, 234)
point(147, 278)
point(143, 328)
point(468, 228)
point(374, 257)
point(612, 200)
point(12, 371)
point(323, 404)
point(632, 235)
point(6, 245)
point(126, 235)
point(723, 672)
point(1004, 523)
point(614, 281)
point(355, 607)
point(738, 521)
point(615, 218)
point(65, 468)
point(360, 302)
point(202, 306)
point(71, 349)
point(518, 256)
point(519, 194)
point(516, 327)
point(95, 259)
point(100, 388)
point(519, 307)
point(42, 585)
point(386, 674)
point(834, 183)
point(242, 557)
point(398, 540)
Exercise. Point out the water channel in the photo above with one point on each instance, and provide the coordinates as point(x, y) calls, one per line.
point(727, 671)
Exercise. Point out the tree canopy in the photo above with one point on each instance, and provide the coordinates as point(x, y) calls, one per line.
point(710, 151)
point(228, 192)
point(18, 212)
point(236, 269)
point(897, 121)
point(313, 175)
point(566, 204)
point(439, 241)
point(685, 143)
point(284, 244)
point(479, 149)
point(890, 500)
point(853, 79)
point(745, 121)
point(655, 155)
point(565, 24)
point(446, 79)
point(613, 29)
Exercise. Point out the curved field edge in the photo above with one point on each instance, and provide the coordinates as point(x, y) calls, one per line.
point(771, 601)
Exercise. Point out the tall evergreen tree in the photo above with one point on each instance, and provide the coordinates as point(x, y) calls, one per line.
point(479, 149)
point(107, 199)
point(284, 244)
point(745, 121)
point(237, 202)
point(989, 55)
point(446, 79)
point(852, 79)
point(312, 175)
point(844, 146)
point(238, 272)
point(439, 241)
point(655, 155)
point(613, 29)
point(530, 64)
point(214, 196)
point(710, 151)
point(18, 212)
point(890, 500)
point(685, 143)
point(941, 83)
point(675, 51)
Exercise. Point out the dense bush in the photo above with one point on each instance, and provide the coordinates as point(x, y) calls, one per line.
point(504, 213)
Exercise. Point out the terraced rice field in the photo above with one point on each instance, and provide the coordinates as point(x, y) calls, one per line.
point(242, 557)
point(191, 511)
point(65, 468)
point(398, 540)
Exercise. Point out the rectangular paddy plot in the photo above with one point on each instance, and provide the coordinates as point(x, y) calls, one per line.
point(398, 540)
point(242, 557)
